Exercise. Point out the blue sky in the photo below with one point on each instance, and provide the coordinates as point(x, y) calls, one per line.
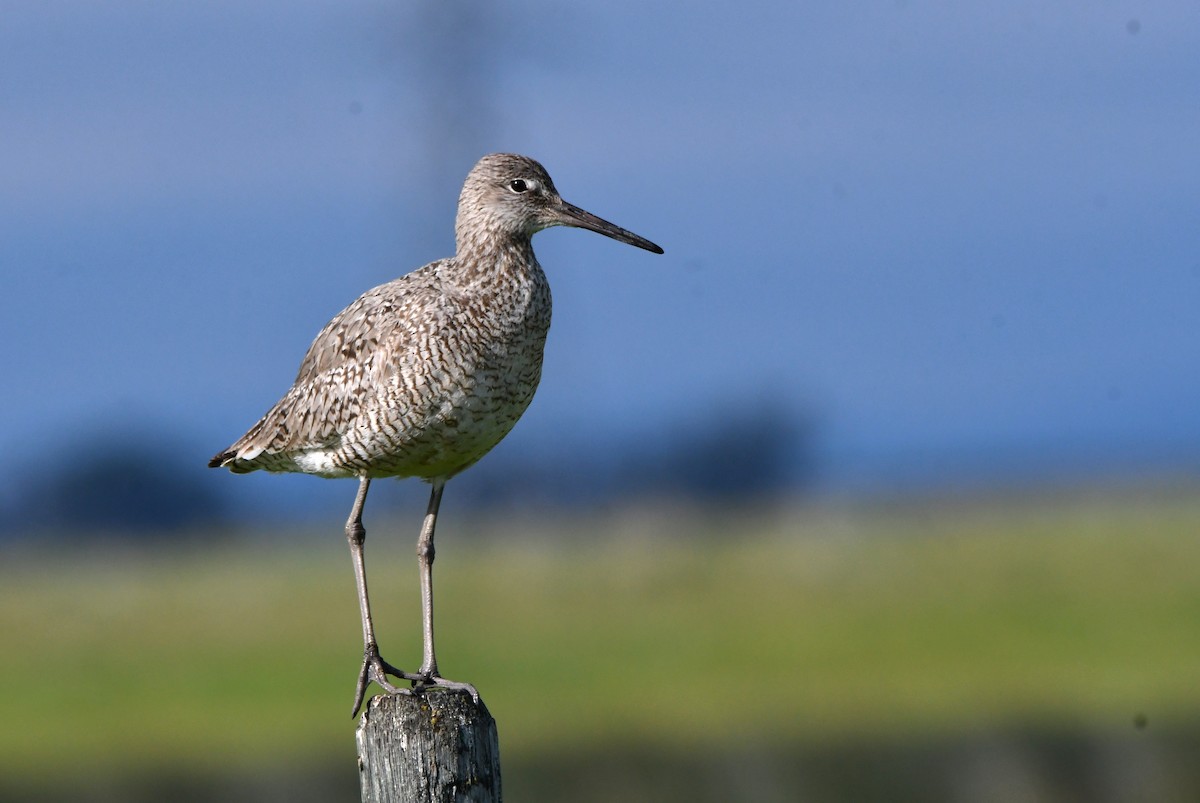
point(965, 237)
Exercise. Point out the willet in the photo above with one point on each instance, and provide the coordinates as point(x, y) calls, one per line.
point(422, 376)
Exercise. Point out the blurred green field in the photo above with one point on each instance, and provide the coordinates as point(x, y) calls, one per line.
point(663, 629)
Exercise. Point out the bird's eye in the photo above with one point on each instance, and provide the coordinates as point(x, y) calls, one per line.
point(518, 185)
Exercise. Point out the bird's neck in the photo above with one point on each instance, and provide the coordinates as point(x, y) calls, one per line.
point(490, 260)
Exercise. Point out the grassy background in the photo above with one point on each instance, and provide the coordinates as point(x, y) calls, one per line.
point(661, 629)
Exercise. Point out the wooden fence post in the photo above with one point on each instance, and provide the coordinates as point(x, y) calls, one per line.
point(435, 747)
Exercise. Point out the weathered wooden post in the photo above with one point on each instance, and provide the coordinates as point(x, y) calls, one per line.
point(435, 747)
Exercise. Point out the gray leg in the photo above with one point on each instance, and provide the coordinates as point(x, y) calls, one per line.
point(374, 667)
point(425, 554)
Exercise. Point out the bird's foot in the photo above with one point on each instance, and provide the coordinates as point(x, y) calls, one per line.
point(374, 668)
point(431, 680)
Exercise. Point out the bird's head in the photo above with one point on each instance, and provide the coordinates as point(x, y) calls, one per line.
point(509, 196)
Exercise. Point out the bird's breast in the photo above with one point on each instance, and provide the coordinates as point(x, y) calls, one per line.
point(459, 386)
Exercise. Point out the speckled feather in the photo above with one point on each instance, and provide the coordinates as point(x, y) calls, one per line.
point(422, 376)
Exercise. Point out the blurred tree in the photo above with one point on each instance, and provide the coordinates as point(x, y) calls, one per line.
point(735, 451)
point(112, 486)
point(730, 453)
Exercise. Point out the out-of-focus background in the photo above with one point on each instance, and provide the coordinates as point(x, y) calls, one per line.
point(880, 484)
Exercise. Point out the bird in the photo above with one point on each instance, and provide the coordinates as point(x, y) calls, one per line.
point(423, 375)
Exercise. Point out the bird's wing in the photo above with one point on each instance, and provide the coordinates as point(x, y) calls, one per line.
point(343, 369)
point(373, 322)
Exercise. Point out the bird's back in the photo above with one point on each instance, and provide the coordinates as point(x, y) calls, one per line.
point(421, 376)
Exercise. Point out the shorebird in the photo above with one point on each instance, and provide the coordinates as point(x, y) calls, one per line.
point(422, 376)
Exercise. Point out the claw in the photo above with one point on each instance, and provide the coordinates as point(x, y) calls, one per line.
point(421, 683)
point(374, 668)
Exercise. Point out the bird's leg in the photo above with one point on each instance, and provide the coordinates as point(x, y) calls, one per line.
point(374, 667)
point(425, 554)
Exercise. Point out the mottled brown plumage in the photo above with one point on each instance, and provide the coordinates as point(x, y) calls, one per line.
point(422, 376)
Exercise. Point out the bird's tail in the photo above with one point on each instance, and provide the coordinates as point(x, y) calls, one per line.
point(229, 459)
point(221, 459)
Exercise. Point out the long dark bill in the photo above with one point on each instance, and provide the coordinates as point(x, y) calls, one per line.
point(571, 215)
